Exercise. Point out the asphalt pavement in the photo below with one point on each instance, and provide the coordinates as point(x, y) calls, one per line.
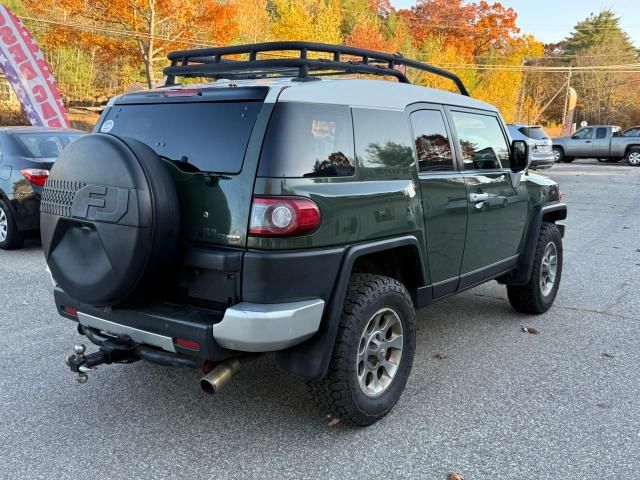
point(503, 404)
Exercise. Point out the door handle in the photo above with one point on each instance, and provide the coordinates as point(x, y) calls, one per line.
point(588, 141)
point(478, 197)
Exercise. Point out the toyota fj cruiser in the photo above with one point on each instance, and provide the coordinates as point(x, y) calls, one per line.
point(273, 209)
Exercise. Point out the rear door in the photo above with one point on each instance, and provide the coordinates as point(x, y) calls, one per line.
point(497, 199)
point(443, 194)
point(601, 142)
point(581, 143)
point(209, 140)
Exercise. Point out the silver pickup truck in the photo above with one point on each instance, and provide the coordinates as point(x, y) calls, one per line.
point(604, 142)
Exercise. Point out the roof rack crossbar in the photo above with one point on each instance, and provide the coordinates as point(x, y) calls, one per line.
point(211, 63)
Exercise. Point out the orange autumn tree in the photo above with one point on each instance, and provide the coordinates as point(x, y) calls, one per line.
point(143, 29)
point(472, 29)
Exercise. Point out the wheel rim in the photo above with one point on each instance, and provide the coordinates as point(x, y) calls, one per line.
point(4, 225)
point(549, 269)
point(634, 158)
point(556, 155)
point(379, 352)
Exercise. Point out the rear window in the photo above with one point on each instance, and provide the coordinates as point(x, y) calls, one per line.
point(209, 137)
point(45, 144)
point(537, 133)
point(308, 140)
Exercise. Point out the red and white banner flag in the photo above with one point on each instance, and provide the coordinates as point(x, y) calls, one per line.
point(25, 67)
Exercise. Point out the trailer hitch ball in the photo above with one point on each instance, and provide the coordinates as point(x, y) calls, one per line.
point(82, 378)
point(79, 349)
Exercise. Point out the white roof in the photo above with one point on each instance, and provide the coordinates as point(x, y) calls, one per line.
point(374, 93)
point(347, 91)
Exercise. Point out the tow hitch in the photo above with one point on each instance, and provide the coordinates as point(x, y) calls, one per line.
point(118, 350)
point(82, 364)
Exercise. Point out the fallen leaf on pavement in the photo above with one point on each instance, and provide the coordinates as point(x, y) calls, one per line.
point(531, 330)
point(608, 355)
point(455, 476)
point(333, 422)
point(440, 356)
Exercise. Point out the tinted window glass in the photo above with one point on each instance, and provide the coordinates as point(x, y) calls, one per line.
point(601, 133)
point(536, 133)
point(432, 141)
point(308, 140)
point(482, 141)
point(632, 132)
point(212, 136)
point(383, 142)
point(45, 144)
point(584, 133)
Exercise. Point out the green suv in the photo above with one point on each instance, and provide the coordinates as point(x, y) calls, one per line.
point(277, 208)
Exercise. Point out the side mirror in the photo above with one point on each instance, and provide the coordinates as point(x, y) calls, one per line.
point(519, 155)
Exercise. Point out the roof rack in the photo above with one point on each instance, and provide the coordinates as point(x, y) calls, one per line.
point(211, 63)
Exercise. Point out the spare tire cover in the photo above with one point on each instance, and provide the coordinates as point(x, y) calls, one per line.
point(109, 219)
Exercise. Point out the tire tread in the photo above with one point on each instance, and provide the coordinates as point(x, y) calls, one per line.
point(332, 394)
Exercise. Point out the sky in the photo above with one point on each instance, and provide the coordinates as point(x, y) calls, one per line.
point(551, 20)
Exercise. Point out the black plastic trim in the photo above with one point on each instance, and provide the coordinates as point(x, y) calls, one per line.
point(175, 321)
point(481, 275)
point(311, 358)
point(522, 273)
point(290, 276)
point(214, 258)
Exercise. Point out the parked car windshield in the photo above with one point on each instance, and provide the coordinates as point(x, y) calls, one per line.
point(210, 137)
point(632, 132)
point(536, 133)
point(45, 144)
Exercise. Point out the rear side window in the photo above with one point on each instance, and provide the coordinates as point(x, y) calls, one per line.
point(45, 145)
point(432, 141)
point(308, 140)
point(536, 133)
point(482, 141)
point(601, 133)
point(209, 137)
point(383, 140)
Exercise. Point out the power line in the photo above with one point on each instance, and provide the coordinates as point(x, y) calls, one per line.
point(619, 68)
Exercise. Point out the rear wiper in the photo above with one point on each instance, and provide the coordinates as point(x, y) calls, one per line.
point(210, 178)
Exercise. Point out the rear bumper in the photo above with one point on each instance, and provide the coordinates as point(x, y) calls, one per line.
point(245, 327)
point(255, 327)
point(541, 160)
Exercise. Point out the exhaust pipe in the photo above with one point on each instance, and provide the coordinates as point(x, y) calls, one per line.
point(217, 378)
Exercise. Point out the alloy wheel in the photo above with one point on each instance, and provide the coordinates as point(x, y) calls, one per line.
point(634, 158)
point(4, 225)
point(379, 352)
point(549, 269)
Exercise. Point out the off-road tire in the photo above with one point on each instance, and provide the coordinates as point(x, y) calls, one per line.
point(339, 393)
point(14, 238)
point(529, 298)
point(632, 157)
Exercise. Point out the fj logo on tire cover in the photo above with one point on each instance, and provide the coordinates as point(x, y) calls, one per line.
point(101, 203)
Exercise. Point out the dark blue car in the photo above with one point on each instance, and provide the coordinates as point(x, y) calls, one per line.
point(26, 156)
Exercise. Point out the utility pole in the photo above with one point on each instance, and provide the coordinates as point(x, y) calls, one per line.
point(566, 99)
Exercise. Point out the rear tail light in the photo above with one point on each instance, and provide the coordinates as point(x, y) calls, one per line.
point(283, 216)
point(70, 311)
point(37, 176)
point(190, 344)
